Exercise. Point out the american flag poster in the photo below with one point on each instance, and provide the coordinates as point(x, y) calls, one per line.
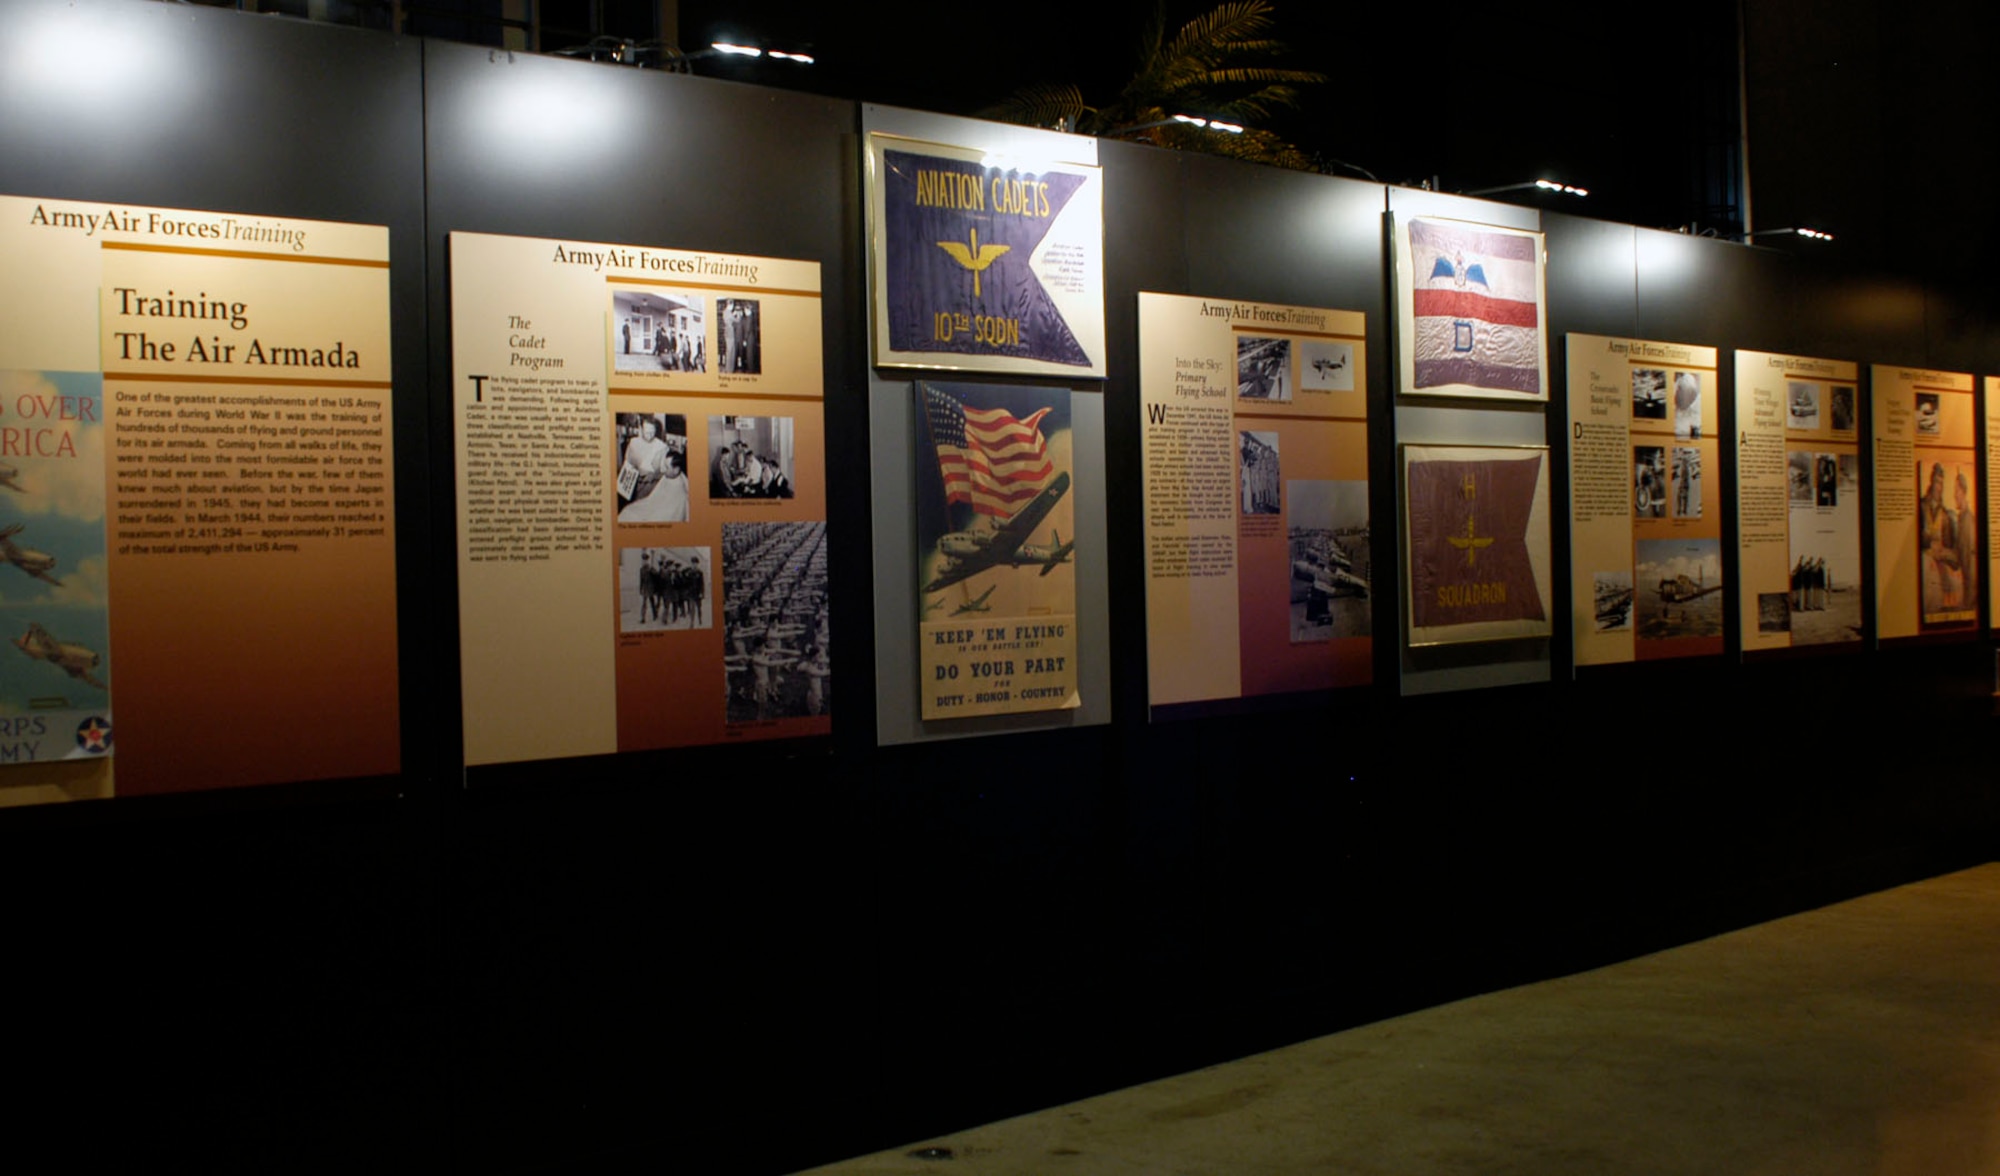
point(996, 541)
point(1471, 310)
point(984, 263)
point(1477, 542)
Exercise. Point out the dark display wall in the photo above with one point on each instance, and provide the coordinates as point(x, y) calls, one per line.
point(785, 954)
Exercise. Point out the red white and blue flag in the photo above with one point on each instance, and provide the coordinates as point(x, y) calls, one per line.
point(989, 458)
point(1475, 298)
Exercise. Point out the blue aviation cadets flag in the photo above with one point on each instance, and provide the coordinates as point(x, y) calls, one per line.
point(1475, 313)
point(1470, 530)
point(989, 265)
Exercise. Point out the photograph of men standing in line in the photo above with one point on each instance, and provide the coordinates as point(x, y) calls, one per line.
point(658, 331)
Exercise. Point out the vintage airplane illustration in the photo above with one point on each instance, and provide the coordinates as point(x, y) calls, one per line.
point(975, 604)
point(36, 563)
point(8, 474)
point(74, 660)
point(931, 606)
point(968, 553)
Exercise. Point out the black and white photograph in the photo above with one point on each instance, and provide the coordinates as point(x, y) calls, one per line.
point(1929, 419)
point(777, 652)
point(657, 331)
point(1263, 369)
point(739, 337)
point(1613, 593)
point(1799, 477)
point(1687, 406)
point(1774, 612)
point(1326, 366)
point(1840, 408)
point(649, 457)
point(1850, 476)
point(1825, 605)
point(1687, 482)
point(749, 457)
point(1259, 472)
point(1826, 479)
point(1679, 589)
point(1804, 400)
point(1649, 481)
point(1328, 533)
point(1649, 394)
point(662, 588)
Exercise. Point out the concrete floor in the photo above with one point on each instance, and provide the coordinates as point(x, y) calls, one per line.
point(1862, 1038)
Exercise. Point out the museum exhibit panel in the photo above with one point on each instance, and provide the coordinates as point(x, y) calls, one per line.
point(1254, 444)
point(1645, 520)
point(1799, 502)
point(1927, 502)
point(484, 474)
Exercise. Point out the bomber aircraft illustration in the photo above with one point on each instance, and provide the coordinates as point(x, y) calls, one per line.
point(968, 553)
point(74, 660)
point(36, 563)
point(8, 474)
point(974, 604)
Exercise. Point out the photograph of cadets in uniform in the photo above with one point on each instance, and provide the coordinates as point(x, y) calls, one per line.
point(663, 588)
point(657, 331)
point(749, 457)
point(777, 652)
point(740, 343)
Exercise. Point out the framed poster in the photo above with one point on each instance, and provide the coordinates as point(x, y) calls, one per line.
point(981, 263)
point(1254, 446)
point(1470, 310)
point(1476, 542)
point(1928, 572)
point(196, 501)
point(1798, 505)
point(1645, 528)
point(641, 497)
point(998, 622)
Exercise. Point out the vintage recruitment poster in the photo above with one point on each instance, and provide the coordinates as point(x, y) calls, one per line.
point(1798, 504)
point(1992, 500)
point(642, 503)
point(1470, 310)
point(1645, 527)
point(196, 501)
point(1476, 542)
point(983, 263)
point(994, 474)
point(1927, 525)
point(1254, 450)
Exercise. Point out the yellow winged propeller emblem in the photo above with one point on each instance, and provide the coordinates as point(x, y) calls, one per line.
point(974, 258)
point(1470, 543)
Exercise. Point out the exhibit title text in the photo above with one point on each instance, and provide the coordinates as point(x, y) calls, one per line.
point(161, 224)
point(692, 265)
point(1245, 312)
point(209, 347)
point(968, 193)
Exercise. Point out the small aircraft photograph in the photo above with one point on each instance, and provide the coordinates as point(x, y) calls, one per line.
point(36, 563)
point(75, 660)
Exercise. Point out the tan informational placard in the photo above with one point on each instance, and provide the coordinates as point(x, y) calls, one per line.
point(1254, 447)
point(985, 262)
point(1476, 542)
point(243, 498)
point(1471, 310)
point(1992, 444)
point(641, 490)
point(1645, 525)
point(1798, 507)
point(1927, 565)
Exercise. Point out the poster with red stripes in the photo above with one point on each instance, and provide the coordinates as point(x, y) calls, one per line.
point(998, 627)
point(1471, 310)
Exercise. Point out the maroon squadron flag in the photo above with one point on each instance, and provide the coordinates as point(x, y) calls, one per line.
point(1469, 558)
